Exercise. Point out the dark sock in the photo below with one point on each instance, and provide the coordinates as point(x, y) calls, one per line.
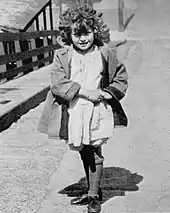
point(95, 179)
point(86, 169)
point(93, 167)
point(84, 154)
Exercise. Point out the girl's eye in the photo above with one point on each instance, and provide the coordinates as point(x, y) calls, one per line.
point(76, 35)
point(79, 34)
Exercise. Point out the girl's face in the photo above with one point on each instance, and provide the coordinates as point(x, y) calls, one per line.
point(83, 40)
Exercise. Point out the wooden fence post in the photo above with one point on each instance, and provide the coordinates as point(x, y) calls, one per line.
point(51, 15)
point(2, 67)
point(19, 63)
point(34, 58)
point(120, 15)
point(45, 41)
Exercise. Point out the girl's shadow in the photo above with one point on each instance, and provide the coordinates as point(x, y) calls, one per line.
point(115, 182)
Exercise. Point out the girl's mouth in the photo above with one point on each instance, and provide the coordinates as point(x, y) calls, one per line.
point(83, 44)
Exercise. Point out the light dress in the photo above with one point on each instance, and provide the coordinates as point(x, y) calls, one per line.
point(89, 123)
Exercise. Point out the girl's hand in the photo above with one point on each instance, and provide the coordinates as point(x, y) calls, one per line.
point(91, 95)
point(106, 95)
point(94, 96)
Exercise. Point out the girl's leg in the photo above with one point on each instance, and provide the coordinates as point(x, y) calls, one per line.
point(93, 166)
point(86, 156)
point(95, 172)
point(95, 175)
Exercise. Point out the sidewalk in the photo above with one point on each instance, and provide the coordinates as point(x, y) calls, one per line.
point(138, 156)
point(136, 159)
point(151, 20)
point(17, 13)
point(22, 94)
point(40, 175)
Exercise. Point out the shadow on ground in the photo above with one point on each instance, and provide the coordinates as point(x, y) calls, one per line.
point(128, 20)
point(115, 182)
point(5, 90)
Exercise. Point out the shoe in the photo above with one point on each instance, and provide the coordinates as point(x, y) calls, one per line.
point(94, 205)
point(81, 200)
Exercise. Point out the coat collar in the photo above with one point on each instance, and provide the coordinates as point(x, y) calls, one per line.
point(65, 55)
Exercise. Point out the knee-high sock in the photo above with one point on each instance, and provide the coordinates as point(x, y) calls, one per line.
point(84, 153)
point(95, 179)
point(86, 169)
point(93, 166)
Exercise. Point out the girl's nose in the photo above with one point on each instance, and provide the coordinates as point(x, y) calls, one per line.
point(82, 38)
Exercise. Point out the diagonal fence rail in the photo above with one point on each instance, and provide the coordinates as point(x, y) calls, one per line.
point(121, 16)
point(28, 51)
point(43, 20)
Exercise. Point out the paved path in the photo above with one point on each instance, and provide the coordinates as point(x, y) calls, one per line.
point(34, 169)
point(27, 162)
point(143, 147)
point(17, 13)
point(151, 19)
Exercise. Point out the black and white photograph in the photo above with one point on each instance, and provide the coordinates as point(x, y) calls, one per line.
point(84, 106)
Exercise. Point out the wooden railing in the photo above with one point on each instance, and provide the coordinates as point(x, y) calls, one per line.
point(120, 15)
point(23, 52)
point(43, 20)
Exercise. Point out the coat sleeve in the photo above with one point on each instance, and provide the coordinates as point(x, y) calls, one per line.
point(61, 86)
point(118, 76)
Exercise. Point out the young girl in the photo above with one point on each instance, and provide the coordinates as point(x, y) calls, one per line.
point(82, 106)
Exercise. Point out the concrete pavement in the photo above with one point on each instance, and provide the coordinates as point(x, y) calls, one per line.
point(17, 13)
point(21, 94)
point(27, 162)
point(38, 174)
point(142, 148)
point(41, 175)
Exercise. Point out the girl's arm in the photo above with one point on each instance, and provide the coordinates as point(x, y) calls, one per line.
point(91, 95)
point(118, 77)
point(60, 85)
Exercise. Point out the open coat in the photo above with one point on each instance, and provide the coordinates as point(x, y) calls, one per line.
point(54, 118)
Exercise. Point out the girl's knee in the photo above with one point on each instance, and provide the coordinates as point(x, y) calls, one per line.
point(98, 159)
point(90, 154)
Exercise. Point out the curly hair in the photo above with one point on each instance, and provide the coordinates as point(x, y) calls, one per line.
point(83, 17)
